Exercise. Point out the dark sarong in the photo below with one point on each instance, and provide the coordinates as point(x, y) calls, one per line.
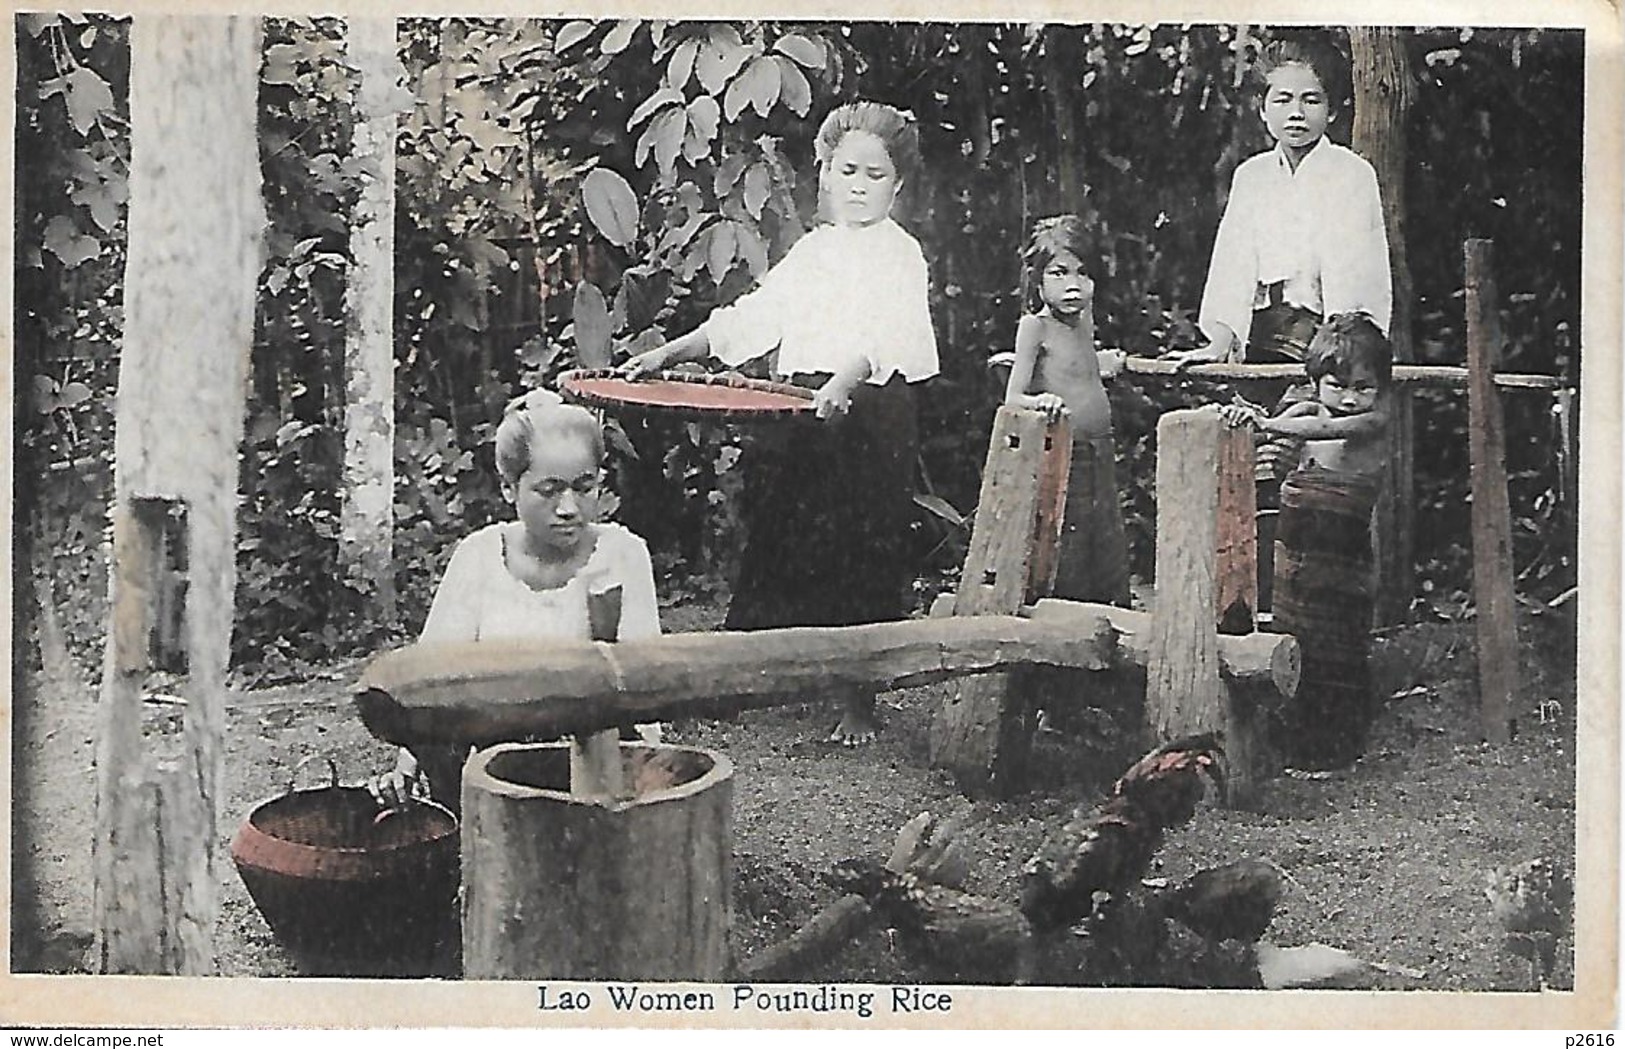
point(1093, 562)
point(1323, 597)
point(827, 506)
point(1281, 333)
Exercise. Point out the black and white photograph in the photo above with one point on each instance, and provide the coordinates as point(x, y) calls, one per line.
point(646, 519)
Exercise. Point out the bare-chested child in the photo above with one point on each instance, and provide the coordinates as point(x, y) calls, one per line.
point(1058, 370)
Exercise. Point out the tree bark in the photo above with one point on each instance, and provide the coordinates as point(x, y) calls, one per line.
point(1382, 93)
point(1496, 622)
point(195, 226)
point(555, 886)
point(366, 541)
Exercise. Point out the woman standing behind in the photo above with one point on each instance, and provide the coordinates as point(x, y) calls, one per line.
point(828, 505)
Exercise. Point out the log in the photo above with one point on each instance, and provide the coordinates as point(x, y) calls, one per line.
point(983, 732)
point(1442, 375)
point(491, 690)
point(1186, 692)
point(823, 936)
point(1269, 662)
point(1496, 624)
point(560, 887)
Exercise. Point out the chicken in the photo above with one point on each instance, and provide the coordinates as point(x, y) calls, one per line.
point(957, 936)
point(1533, 902)
point(1107, 849)
point(1233, 902)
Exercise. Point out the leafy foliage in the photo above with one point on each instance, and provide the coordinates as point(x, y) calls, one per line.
point(572, 192)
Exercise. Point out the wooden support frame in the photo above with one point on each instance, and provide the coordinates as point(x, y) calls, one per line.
point(1496, 623)
point(1204, 480)
point(983, 732)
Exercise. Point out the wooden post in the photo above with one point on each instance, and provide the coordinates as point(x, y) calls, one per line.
point(195, 226)
point(1185, 692)
point(1383, 91)
point(1496, 622)
point(983, 733)
point(558, 887)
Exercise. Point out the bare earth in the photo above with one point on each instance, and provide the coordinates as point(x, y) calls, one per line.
point(1387, 861)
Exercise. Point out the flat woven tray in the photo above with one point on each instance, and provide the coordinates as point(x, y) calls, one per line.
point(696, 395)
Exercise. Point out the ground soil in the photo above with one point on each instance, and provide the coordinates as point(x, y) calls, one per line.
point(1387, 860)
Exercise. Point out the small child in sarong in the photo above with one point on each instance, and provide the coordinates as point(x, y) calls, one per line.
point(1323, 554)
point(1058, 370)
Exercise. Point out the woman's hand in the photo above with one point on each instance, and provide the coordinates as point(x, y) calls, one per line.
point(833, 398)
point(398, 787)
point(1222, 346)
point(647, 363)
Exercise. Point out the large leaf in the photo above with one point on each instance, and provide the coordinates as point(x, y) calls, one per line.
point(718, 61)
point(88, 96)
point(63, 239)
point(758, 183)
point(592, 326)
point(794, 89)
point(611, 205)
point(617, 39)
point(804, 51)
point(669, 128)
point(720, 252)
point(572, 34)
point(762, 82)
point(663, 97)
point(752, 248)
point(728, 173)
point(681, 66)
point(704, 115)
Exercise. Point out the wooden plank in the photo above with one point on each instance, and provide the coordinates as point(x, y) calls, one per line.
point(493, 690)
point(1440, 375)
point(1496, 622)
point(1054, 474)
point(983, 732)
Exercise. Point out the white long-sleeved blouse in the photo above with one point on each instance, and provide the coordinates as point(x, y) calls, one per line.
point(1317, 230)
point(840, 292)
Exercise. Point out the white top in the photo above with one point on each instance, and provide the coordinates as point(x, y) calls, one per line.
point(480, 600)
point(1319, 230)
point(842, 291)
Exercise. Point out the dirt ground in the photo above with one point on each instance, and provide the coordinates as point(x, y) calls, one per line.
point(1387, 861)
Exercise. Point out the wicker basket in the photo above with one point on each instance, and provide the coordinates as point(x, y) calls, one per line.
point(337, 877)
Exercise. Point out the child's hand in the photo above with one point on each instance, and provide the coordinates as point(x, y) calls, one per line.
point(646, 363)
point(1050, 404)
point(1111, 363)
point(1240, 415)
point(832, 398)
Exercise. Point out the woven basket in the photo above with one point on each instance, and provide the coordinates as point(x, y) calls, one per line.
point(337, 877)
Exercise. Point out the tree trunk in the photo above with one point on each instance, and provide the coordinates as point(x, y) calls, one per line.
point(366, 542)
point(195, 226)
point(1382, 93)
point(1061, 70)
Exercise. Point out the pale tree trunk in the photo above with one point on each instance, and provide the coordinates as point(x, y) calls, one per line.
point(366, 546)
point(195, 231)
point(1382, 102)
